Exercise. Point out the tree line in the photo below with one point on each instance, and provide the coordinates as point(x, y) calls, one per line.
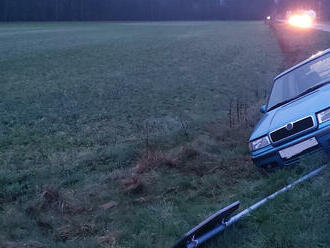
point(154, 10)
point(92, 10)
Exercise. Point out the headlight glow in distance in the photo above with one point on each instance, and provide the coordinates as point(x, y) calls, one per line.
point(301, 21)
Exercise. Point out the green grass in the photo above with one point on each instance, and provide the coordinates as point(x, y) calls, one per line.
point(153, 116)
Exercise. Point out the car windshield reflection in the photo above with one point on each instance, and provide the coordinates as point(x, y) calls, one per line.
point(294, 83)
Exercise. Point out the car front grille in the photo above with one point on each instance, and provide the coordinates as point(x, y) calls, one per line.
point(297, 127)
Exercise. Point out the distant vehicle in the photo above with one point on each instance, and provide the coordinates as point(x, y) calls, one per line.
point(301, 18)
point(296, 118)
point(309, 12)
point(268, 20)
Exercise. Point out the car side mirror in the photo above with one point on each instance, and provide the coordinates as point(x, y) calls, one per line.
point(263, 109)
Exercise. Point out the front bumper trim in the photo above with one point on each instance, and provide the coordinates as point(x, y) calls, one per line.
point(272, 156)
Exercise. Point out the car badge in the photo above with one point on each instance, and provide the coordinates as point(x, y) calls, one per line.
point(289, 126)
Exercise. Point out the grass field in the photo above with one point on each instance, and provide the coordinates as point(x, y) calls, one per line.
point(128, 134)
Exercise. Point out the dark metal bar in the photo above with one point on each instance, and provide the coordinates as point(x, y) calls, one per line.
point(220, 228)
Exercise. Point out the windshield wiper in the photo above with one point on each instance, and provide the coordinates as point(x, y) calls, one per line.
point(280, 104)
point(311, 89)
point(315, 87)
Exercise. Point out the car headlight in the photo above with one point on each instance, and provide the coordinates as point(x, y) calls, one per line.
point(259, 143)
point(324, 116)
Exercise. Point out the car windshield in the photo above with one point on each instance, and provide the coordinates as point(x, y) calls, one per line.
point(299, 80)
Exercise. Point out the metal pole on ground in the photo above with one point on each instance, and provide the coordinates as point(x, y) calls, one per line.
point(198, 241)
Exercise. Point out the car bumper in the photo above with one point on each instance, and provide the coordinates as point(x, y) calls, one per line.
point(270, 155)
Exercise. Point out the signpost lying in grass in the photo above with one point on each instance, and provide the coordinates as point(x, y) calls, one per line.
point(221, 220)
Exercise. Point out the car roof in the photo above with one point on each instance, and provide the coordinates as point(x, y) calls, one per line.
point(318, 55)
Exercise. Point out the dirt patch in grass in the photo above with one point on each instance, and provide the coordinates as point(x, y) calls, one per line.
point(108, 240)
point(51, 199)
point(152, 159)
point(75, 230)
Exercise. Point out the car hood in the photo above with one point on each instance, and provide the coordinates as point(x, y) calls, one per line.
point(297, 109)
